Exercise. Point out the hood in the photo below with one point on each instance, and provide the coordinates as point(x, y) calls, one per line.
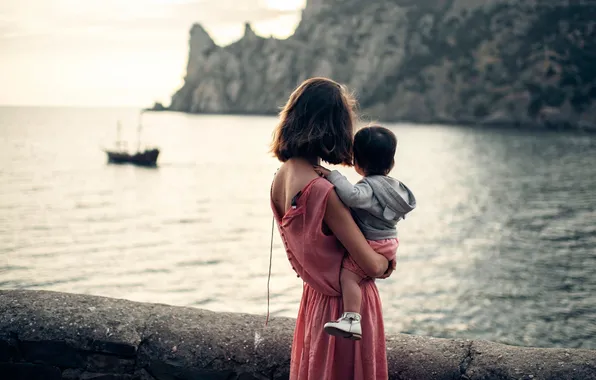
point(395, 198)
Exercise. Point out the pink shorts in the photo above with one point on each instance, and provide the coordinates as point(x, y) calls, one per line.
point(387, 248)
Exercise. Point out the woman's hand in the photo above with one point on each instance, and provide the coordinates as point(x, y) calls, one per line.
point(390, 269)
point(341, 223)
point(322, 171)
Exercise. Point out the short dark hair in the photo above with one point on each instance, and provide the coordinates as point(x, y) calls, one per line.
point(374, 150)
point(317, 122)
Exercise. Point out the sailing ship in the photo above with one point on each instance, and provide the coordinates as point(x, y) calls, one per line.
point(120, 155)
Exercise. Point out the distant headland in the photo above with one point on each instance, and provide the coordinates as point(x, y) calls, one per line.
point(521, 63)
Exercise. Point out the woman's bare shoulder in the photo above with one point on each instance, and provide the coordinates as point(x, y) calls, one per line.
point(294, 177)
point(290, 180)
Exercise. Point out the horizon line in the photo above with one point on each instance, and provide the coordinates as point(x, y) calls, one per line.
point(14, 105)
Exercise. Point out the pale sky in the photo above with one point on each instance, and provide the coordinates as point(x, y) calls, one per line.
point(117, 52)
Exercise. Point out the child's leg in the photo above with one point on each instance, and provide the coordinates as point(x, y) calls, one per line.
point(350, 290)
point(348, 324)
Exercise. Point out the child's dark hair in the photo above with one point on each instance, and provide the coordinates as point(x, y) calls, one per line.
point(374, 150)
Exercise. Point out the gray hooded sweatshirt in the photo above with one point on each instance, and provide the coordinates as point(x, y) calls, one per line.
point(377, 203)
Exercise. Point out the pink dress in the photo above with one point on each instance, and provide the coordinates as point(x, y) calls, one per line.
point(317, 259)
point(386, 247)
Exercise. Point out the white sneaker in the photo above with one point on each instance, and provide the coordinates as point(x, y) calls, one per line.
point(347, 326)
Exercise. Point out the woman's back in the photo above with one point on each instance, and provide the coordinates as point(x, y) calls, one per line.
point(316, 257)
point(317, 124)
point(290, 179)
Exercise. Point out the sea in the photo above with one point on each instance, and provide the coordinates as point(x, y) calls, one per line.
point(501, 247)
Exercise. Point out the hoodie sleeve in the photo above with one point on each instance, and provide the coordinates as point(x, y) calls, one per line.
point(356, 196)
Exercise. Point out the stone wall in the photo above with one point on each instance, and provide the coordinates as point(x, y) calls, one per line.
point(48, 335)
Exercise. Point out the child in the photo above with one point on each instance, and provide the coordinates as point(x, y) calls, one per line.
point(378, 202)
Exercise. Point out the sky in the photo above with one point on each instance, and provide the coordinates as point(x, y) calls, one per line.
point(117, 52)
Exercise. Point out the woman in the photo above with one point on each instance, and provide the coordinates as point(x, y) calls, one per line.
point(317, 229)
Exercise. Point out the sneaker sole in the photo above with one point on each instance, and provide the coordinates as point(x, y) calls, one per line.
point(341, 333)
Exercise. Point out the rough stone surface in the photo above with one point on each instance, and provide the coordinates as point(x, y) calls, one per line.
point(513, 62)
point(425, 357)
point(48, 335)
point(96, 324)
point(497, 361)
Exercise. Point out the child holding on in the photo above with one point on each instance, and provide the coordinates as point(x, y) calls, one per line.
point(377, 202)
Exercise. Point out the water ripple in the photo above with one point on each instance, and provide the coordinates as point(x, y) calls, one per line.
point(500, 247)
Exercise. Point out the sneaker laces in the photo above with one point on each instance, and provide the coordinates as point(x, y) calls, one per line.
point(352, 317)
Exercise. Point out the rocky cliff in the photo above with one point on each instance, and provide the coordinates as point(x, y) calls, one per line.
point(517, 62)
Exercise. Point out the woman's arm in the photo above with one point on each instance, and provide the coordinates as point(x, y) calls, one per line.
point(340, 221)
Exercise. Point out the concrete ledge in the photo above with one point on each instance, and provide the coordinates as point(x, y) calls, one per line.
point(48, 335)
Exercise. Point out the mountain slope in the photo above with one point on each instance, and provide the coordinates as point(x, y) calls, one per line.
point(472, 61)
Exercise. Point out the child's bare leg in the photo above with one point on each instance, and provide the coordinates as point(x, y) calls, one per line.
point(350, 291)
point(348, 325)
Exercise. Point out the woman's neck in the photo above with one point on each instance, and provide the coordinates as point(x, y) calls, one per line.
point(314, 161)
point(308, 160)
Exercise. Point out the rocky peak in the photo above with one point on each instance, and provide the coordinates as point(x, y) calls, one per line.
point(200, 40)
point(452, 61)
point(249, 34)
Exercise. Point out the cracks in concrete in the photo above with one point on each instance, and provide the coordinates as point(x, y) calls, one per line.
point(465, 362)
point(144, 339)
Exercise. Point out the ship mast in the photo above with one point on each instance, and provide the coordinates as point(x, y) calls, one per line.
point(139, 129)
point(118, 135)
